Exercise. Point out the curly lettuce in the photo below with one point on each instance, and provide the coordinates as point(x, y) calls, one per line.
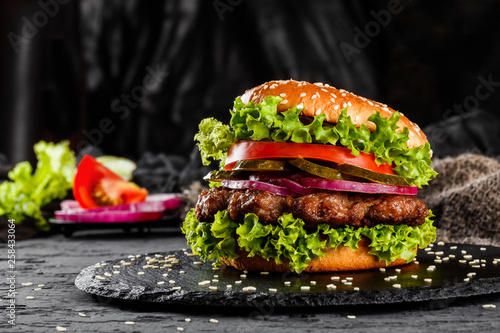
point(261, 121)
point(28, 191)
point(288, 240)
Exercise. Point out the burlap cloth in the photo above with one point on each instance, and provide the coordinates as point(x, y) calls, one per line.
point(465, 197)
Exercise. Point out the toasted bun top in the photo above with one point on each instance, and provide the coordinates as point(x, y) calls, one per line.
point(322, 98)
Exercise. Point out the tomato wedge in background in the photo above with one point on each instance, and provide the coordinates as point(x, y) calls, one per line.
point(250, 150)
point(96, 186)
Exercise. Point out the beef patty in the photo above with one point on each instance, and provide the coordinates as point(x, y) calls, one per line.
point(333, 208)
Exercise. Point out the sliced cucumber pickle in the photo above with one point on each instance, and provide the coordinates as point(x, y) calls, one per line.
point(371, 175)
point(261, 165)
point(316, 169)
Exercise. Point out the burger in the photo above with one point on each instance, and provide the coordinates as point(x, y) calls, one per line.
point(311, 179)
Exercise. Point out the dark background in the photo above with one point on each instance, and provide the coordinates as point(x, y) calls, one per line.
point(81, 70)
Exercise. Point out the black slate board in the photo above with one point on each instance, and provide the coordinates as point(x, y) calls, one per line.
point(460, 271)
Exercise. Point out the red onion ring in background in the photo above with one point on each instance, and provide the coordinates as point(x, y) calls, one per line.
point(149, 210)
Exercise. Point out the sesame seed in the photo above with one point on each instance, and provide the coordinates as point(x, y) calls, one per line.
point(176, 288)
point(214, 288)
point(324, 90)
point(140, 273)
point(385, 109)
point(313, 283)
point(318, 111)
point(468, 256)
point(197, 263)
point(414, 276)
point(431, 268)
point(284, 101)
point(171, 282)
point(129, 323)
point(314, 96)
point(427, 249)
point(335, 278)
point(180, 329)
point(462, 261)
point(229, 286)
point(273, 290)
point(243, 276)
point(467, 279)
point(182, 272)
point(61, 329)
point(98, 277)
point(438, 261)
point(215, 321)
point(348, 283)
point(303, 94)
point(489, 306)
point(356, 288)
point(393, 277)
point(387, 279)
point(26, 284)
point(187, 320)
point(336, 107)
point(30, 297)
point(305, 288)
point(439, 243)
point(439, 253)
point(382, 269)
point(126, 263)
point(483, 249)
point(349, 103)
point(249, 288)
point(160, 283)
point(237, 282)
point(397, 285)
point(215, 280)
point(428, 280)
point(41, 285)
point(264, 273)
point(37, 289)
point(463, 252)
point(165, 275)
point(282, 95)
point(287, 283)
point(351, 317)
point(452, 256)
point(398, 270)
point(82, 314)
point(331, 286)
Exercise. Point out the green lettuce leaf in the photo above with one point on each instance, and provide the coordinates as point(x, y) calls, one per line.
point(261, 121)
point(289, 241)
point(28, 191)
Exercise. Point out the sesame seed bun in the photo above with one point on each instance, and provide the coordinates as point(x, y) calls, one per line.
point(343, 258)
point(321, 98)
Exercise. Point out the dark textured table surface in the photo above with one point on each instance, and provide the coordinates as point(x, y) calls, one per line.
point(54, 262)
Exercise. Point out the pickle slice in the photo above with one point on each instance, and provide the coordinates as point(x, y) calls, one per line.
point(316, 169)
point(261, 165)
point(218, 175)
point(371, 175)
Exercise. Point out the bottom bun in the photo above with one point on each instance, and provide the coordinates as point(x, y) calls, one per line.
point(341, 259)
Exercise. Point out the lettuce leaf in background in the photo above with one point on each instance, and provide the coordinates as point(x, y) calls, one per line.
point(261, 121)
point(28, 191)
point(291, 241)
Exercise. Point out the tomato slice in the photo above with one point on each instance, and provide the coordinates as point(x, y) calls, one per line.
point(249, 150)
point(95, 186)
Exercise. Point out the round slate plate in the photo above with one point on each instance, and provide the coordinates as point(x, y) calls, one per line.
point(173, 278)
